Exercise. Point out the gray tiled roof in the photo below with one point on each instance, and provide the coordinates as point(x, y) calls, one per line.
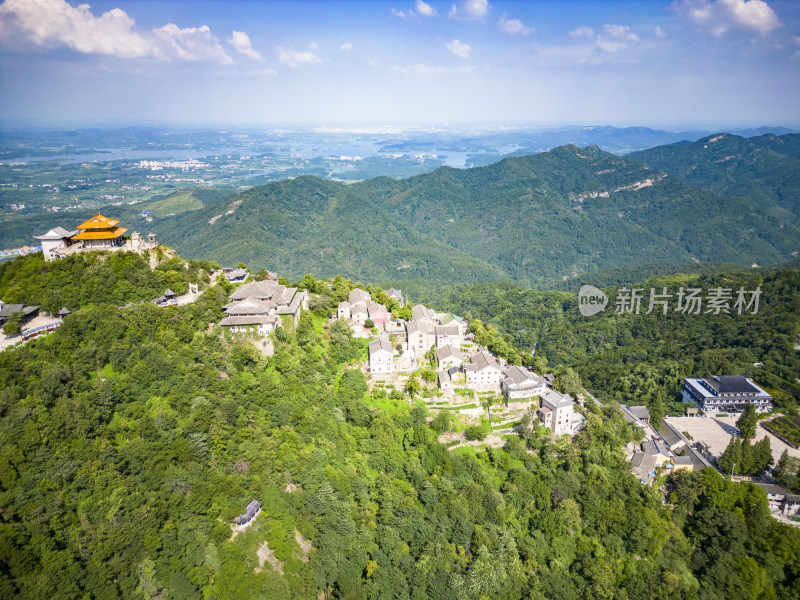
point(481, 360)
point(557, 400)
point(56, 233)
point(730, 384)
point(448, 351)
point(249, 320)
point(380, 344)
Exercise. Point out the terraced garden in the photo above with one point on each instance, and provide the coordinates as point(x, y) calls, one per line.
point(786, 427)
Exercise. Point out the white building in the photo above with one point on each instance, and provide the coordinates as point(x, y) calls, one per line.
point(343, 310)
point(380, 356)
point(520, 383)
point(726, 393)
point(419, 336)
point(449, 356)
point(482, 370)
point(558, 413)
point(54, 241)
point(448, 335)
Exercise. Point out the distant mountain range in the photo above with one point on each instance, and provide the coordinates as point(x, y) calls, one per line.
point(765, 169)
point(532, 219)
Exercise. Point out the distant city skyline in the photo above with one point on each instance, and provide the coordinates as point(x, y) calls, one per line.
point(670, 65)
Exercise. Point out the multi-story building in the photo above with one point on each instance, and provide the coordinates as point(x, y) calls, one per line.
point(726, 393)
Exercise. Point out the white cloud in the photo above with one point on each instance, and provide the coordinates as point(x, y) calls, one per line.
point(722, 16)
point(615, 38)
point(620, 32)
point(314, 46)
point(660, 33)
point(192, 43)
point(796, 40)
point(419, 69)
point(430, 70)
point(56, 23)
point(425, 9)
point(262, 72)
point(458, 48)
point(469, 9)
point(399, 13)
point(293, 58)
point(346, 47)
point(241, 42)
point(582, 31)
point(513, 26)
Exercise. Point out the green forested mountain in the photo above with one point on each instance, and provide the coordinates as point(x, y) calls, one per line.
point(532, 219)
point(764, 169)
point(132, 437)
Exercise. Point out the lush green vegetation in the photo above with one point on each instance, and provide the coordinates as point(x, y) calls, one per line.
point(633, 358)
point(88, 278)
point(131, 438)
point(763, 169)
point(743, 458)
point(505, 221)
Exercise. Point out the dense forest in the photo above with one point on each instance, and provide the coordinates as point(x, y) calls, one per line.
point(86, 278)
point(535, 220)
point(637, 358)
point(131, 438)
point(762, 168)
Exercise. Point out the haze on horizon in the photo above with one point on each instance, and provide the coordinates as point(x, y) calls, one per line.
point(680, 64)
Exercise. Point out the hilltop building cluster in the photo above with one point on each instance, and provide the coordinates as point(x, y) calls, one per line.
point(97, 233)
point(460, 363)
point(259, 305)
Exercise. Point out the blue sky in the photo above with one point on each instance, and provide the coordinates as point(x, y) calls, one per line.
point(670, 64)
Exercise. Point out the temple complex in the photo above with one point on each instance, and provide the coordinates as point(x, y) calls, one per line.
point(97, 233)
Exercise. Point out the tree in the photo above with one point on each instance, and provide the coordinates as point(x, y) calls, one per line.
point(310, 284)
point(783, 472)
point(475, 433)
point(570, 382)
point(747, 422)
point(656, 410)
point(443, 421)
point(731, 459)
point(13, 324)
point(369, 324)
point(413, 386)
point(486, 403)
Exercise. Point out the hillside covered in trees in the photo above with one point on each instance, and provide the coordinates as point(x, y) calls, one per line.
point(764, 169)
point(533, 219)
point(132, 437)
point(636, 358)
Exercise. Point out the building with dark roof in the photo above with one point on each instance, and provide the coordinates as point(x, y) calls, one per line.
point(726, 393)
point(780, 500)
point(251, 511)
point(521, 383)
point(27, 312)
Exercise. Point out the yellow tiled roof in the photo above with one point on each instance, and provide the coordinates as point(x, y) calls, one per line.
point(105, 234)
point(98, 222)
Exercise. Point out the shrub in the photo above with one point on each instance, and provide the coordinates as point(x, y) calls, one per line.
point(475, 433)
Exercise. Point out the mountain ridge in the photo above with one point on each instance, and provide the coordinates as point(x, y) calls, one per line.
point(530, 219)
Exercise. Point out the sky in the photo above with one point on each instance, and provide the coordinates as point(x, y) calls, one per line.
point(240, 63)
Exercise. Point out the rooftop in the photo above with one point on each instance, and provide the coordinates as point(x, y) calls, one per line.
point(99, 222)
point(56, 233)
